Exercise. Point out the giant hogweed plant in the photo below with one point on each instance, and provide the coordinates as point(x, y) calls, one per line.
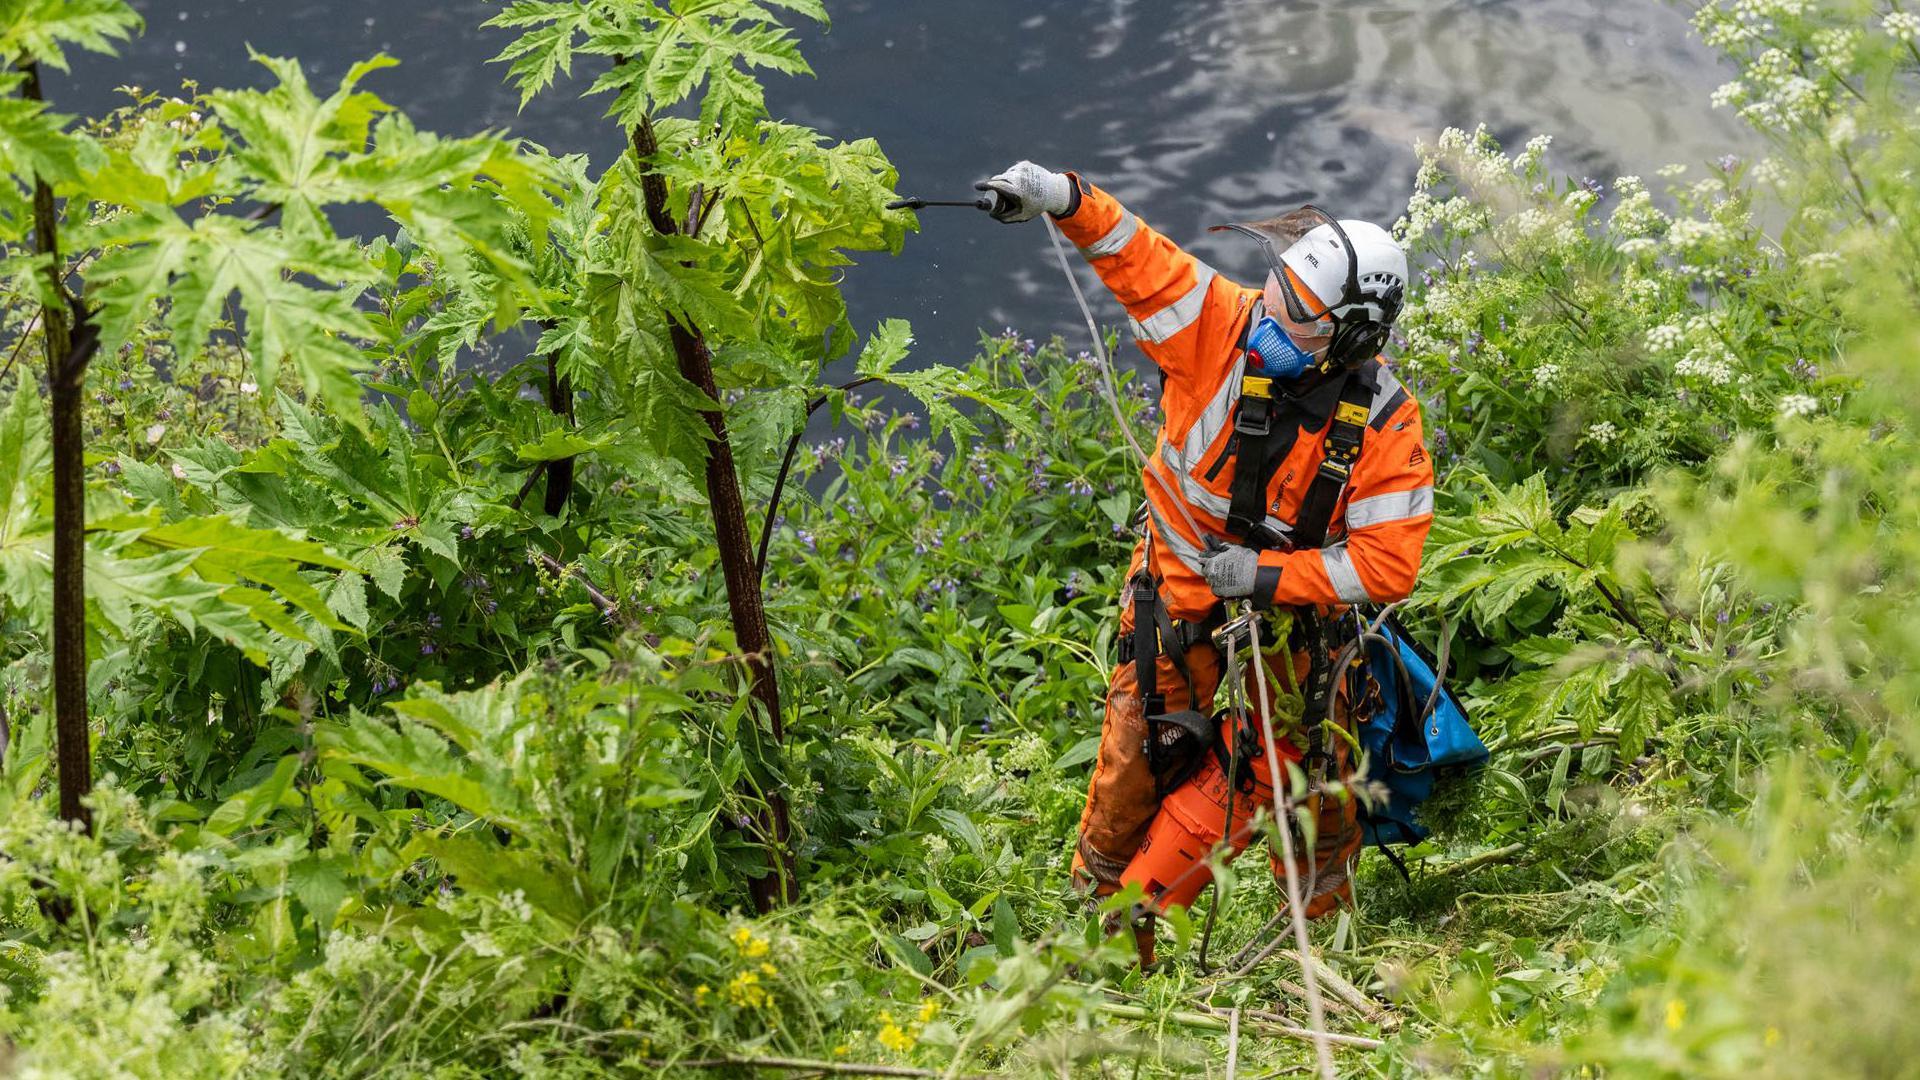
point(700, 265)
point(115, 244)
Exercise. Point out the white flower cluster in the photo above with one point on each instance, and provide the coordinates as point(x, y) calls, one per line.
point(1836, 47)
point(1666, 338)
point(1639, 290)
point(1546, 376)
point(1634, 215)
point(1777, 94)
point(1603, 433)
point(1902, 26)
point(1820, 260)
point(1798, 405)
point(1688, 233)
point(1712, 362)
point(1426, 214)
point(1724, 25)
point(1533, 158)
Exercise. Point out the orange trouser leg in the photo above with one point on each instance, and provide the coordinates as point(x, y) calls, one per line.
point(1121, 802)
point(1171, 865)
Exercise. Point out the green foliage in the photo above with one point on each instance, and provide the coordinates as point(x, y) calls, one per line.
point(408, 776)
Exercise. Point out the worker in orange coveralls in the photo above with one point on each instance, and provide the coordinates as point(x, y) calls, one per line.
point(1300, 458)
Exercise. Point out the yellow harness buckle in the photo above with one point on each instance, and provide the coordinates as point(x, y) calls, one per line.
point(1351, 412)
point(1256, 386)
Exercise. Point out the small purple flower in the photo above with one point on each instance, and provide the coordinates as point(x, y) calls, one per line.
point(1073, 584)
point(1727, 163)
point(805, 537)
point(1598, 189)
point(125, 384)
point(426, 648)
point(466, 532)
point(1723, 616)
point(433, 620)
point(911, 421)
point(113, 468)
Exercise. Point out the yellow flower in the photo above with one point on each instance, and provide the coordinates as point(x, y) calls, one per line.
point(750, 945)
point(842, 1050)
point(745, 991)
point(768, 970)
point(1773, 1036)
point(700, 993)
point(1676, 1014)
point(929, 1009)
point(893, 1037)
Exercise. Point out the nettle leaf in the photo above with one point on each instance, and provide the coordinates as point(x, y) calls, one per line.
point(1514, 514)
point(546, 45)
point(35, 143)
point(225, 552)
point(885, 348)
point(164, 584)
point(43, 29)
point(290, 142)
point(413, 755)
point(936, 387)
point(201, 266)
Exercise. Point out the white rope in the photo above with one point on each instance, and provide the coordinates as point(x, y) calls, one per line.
point(1112, 387)
point(1316, 1009)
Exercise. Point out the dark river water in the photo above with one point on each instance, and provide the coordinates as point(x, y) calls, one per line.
point(1193, 111)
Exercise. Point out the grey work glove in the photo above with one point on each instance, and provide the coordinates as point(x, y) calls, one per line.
point(1230, 570)
point(1027, 191)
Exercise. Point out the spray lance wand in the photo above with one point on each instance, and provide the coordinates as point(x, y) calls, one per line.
point(993, 201)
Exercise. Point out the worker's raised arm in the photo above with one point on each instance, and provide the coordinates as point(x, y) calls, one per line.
point(1182, 313)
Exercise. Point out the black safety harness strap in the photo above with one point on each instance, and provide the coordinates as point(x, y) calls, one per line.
point(1266, 426)
point(1344, 436)
point(1174, 743)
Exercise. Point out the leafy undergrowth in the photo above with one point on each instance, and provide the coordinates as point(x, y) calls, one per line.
point(477, 800)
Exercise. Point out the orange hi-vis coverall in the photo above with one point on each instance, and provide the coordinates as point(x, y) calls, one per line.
point(1191, 322)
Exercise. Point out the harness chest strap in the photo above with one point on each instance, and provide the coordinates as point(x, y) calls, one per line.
point(1265, 430)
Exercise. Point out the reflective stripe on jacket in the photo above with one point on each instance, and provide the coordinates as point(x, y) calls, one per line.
point(1188, 320)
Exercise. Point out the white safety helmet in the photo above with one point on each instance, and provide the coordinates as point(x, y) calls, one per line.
point(1346, 278)
point(1361, 275)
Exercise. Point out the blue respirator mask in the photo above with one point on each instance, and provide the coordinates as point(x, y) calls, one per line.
point(1273, 353)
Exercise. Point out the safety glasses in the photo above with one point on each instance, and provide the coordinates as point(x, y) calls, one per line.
point(1296, 308)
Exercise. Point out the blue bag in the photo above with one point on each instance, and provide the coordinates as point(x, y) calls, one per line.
point(1404, 753)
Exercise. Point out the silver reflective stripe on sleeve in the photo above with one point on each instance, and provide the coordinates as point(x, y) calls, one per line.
point(1393, 506)
point(1211, 421)
point(1196, 495)
point(1182, 548)
point(1346, 583)
point(1177, 316)
point(1115, 239)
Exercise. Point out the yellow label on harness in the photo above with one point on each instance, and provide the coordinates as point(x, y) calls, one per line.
point(1256, 386)
point(1352, 413)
